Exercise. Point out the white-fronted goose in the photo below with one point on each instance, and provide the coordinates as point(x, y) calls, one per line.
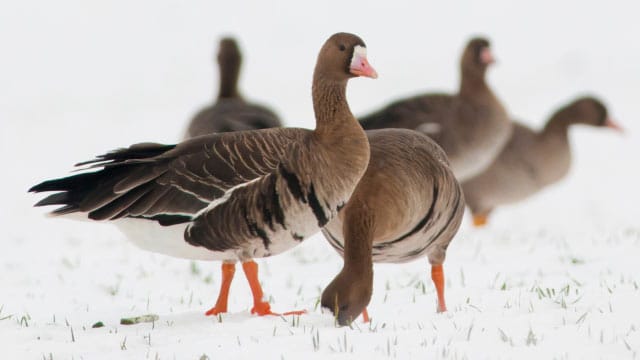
point(407, 205)
point(532, 160)
point(471, 126)
point(238, 195)
point(230, 111)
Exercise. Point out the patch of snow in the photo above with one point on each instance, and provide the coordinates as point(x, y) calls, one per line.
point(553, 277)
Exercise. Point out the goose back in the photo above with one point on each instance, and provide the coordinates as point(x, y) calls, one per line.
point(411, 196)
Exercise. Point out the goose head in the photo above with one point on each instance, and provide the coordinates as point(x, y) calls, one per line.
point(476, 57)
point(342, 57)
point(347, 295)
point(589, 111)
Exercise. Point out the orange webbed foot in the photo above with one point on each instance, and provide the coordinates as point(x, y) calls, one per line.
point(260, 307)
point(295, 312)
point(215, 311)
point(264, 308)
point(479, 220)
point(365, 316)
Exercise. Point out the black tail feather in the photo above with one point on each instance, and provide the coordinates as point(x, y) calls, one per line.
point(65, 183)
point(60, 198)
point(137, 151)
point(168, 219)
point(119, 205)
point(105, 193)
point(64, 210)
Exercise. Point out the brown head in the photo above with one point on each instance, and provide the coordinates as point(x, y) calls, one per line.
point(229, 61)
point(342, 57)
point(586, 111)
point(348, 295)
point(476, 58)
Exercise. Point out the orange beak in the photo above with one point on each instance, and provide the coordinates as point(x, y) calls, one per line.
point(613, 125)
point(361, 67)
point(486, 57)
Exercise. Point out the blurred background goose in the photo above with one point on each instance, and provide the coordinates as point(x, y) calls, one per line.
point(532, 160)
point(471, 126)
point(230, 112)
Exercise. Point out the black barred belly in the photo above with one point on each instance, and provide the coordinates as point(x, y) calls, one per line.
point(416, 243)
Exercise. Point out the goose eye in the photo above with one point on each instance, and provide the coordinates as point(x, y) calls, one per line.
point(342, 47)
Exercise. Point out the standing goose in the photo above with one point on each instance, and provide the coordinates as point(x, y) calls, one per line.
point(471, 126)
point(532, 160)
point(407, 205)
point(233, 196)
point(230, 112)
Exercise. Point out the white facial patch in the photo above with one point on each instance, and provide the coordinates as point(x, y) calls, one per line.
point(359, 52)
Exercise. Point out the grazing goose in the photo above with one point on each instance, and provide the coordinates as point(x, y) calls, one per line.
point(531, 160)
point(233, 196)
point(407, 205)
point(230, 112)
point(471, 126)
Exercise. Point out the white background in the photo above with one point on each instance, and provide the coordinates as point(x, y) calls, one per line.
point(79, 78)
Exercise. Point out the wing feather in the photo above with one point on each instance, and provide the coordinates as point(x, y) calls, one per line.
point(148, 179)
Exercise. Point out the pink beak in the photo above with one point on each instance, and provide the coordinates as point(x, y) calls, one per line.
point(360, 67)
point(613, 125)
point(486, 57)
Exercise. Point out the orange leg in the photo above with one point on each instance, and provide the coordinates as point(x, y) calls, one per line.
point(260, 307)
point(221, 304)
point(365, 316)
point(437, 275)
point(479, 220)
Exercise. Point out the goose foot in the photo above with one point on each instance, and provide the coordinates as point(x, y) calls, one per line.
point(365, 316)
point(228, 270)
point(215, 311)
point(479, 220)
point(260, 307)
point(264, 308)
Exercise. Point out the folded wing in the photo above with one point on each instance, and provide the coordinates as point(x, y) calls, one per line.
point(169, 183)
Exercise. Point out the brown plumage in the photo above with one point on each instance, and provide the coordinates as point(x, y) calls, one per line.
point(230, 112)
point(471, 126)
point(407, 205)
point(233, 196)
point(531, 160)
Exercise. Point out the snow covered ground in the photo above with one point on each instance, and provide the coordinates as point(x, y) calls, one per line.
point(555, 277)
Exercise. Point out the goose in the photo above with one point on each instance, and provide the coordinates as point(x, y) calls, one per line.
point(407, 205)
point(532, 160)
point(471, 126)
point(230, 111)
point(232, 196)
